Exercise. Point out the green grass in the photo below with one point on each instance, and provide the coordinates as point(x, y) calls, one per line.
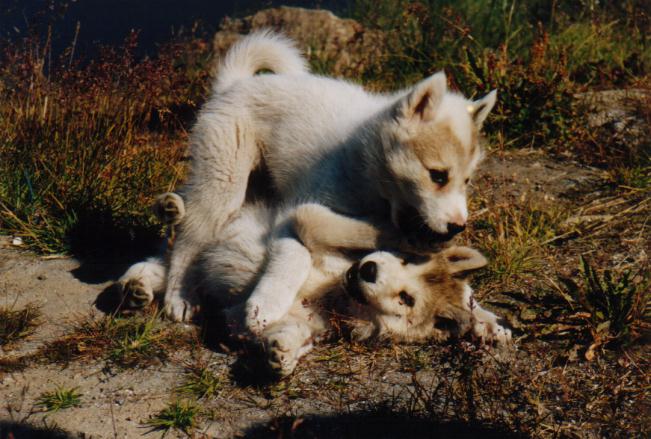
point(514, 238)
point(59, 399)
point(202, 382)
point(179, 415)
point(16, 324)
point(536, 55)
point(616, 306)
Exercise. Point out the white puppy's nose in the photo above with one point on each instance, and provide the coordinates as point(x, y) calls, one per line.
point(454, 228)
point(458, 217)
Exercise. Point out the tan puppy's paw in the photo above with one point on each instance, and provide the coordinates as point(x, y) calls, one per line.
point(280, 360)
point(488, 328)
point(282, 353)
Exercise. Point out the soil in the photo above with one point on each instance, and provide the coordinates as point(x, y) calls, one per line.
point(340, 389)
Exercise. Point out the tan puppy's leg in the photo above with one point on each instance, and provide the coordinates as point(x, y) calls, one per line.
point(322, 230)
point(487, 327)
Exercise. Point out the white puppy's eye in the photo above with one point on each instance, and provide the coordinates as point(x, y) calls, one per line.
point(439, 176)
point(467, 181)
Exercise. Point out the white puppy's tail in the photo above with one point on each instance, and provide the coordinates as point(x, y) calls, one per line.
point(257, 51)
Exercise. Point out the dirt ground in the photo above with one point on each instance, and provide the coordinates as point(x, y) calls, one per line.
point(347, 390)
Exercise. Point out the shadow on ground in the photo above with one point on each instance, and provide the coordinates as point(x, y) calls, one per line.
point(373, 424)
point(105, 246)
point(21, 430)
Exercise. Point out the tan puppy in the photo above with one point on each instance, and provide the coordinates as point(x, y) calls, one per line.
point(381, 295)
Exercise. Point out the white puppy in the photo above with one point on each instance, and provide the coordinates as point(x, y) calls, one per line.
point(406, 157)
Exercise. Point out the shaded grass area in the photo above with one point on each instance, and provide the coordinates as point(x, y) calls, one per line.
point(457, 387)
point(17, 430)
point(372, 423)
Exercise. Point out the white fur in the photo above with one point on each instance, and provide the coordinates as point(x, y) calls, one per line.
point(260, 50)
point(322, 140)
point(141, 281)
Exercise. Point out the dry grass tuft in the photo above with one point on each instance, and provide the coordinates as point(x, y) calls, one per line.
point(18, 324)
point(514, 238)
point(122, 341)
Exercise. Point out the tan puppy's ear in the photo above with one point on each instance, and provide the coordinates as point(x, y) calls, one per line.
point(423, 100)
point(463, 260)
point(480, 109)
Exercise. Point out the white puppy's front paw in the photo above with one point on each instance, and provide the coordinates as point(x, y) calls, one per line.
point(179, 310)
point(136, 293)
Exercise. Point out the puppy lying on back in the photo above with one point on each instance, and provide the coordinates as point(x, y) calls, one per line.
point(381, 295)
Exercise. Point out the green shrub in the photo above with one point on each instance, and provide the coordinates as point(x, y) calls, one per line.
point(615, 305)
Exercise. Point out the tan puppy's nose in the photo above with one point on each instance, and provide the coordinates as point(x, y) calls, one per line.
point(368, 271)
point(454, 228)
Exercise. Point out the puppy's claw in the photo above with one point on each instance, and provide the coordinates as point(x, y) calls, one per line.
point(179, 310)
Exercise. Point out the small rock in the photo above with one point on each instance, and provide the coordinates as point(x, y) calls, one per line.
point(17, 241)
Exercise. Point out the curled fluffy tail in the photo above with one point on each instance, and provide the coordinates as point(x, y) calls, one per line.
point(257, 51)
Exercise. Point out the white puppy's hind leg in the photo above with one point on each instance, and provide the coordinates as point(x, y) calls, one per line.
point(287, 269)
point(141, 281)
point(180, 304)
point(285, 343)
point(225, 151)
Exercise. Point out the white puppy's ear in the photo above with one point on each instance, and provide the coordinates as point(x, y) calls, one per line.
point(480, 109)
point(463, 260)
point(423, 100)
